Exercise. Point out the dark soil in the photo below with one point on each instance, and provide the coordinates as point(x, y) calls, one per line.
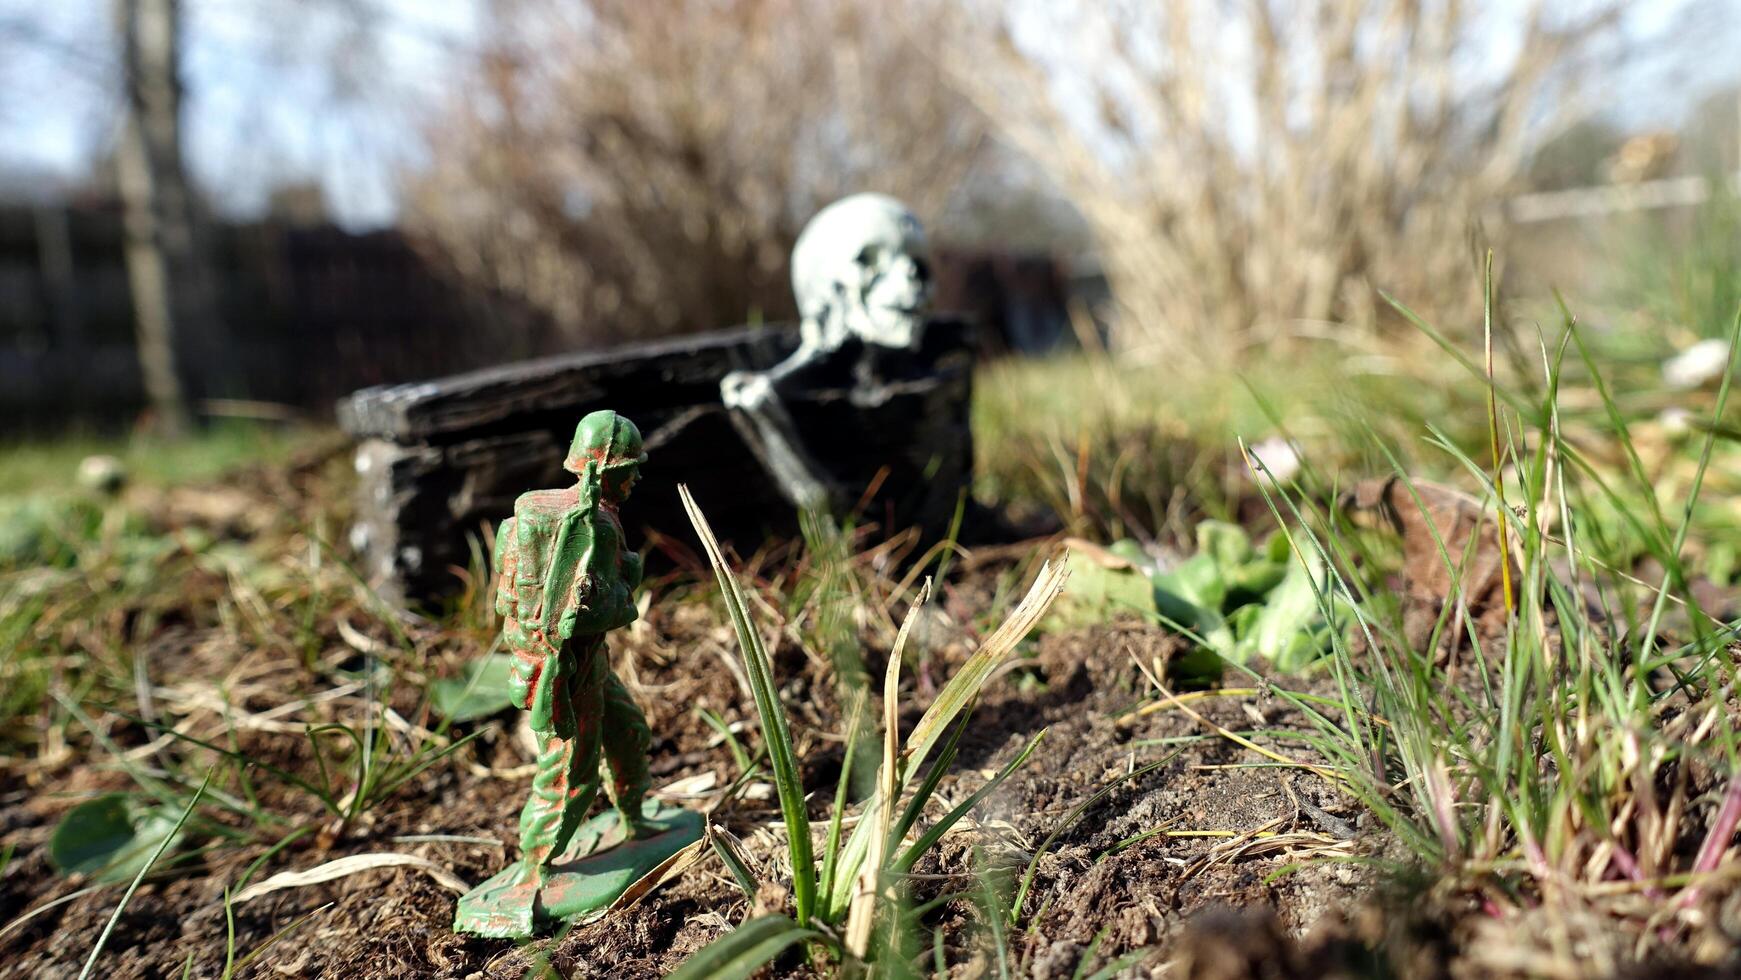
point(1218, 863)
point(394, 922)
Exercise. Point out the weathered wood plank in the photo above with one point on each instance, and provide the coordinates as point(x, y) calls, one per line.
point(439, 461)
point(679, 371)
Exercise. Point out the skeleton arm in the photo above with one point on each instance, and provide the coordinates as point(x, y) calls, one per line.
point(859, 270)
point(760, 415)
point(817, 340)
point(758, 403)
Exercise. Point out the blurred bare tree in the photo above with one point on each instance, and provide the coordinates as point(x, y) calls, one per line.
point(633, 168)
point(162, 254)
point(1248, 166)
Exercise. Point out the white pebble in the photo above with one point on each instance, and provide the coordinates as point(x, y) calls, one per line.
point(1698, 365)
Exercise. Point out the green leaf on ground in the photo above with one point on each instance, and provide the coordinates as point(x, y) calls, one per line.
point(1284, 628)
point(480, 692)
point(1097, 592)
point(110, 837)
point(744, 950)
point(1236, 599)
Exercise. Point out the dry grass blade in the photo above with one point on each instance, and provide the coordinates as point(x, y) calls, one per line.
point(1130, 717)
point(1289, 213)
point(356, 640)
point(966, 683)
point(19, 922)
point(864, 900)
point(1493, 427)
point(273, 940)
point(347, 866)
point(781, 74)
point(1154, 679)
point(669, 869)
point(955, 696)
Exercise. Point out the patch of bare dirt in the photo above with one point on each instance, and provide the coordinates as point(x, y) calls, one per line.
point(395, 922)
point(1216, 864)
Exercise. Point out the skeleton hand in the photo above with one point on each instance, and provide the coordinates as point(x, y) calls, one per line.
point(746, 389)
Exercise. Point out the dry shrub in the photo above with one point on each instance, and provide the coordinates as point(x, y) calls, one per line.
point(633, 168)
point(1249, 166)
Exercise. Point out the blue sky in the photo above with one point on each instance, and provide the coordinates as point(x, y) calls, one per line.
point(266, 104)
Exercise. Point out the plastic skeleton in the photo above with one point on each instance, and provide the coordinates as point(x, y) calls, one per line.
point(566, 580)
point(861, 274)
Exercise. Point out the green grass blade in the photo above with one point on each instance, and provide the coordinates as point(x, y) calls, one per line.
point(739, 953)
point(775, 733)
point(739, 754)
point(229, 937)
point(928, 785)
point(852, 858)
point(127, 896)
point(1119, 965)
point(725, 844)
point(843, 786)
point(1090, 953)
point(1420, 323)
point(932, 836)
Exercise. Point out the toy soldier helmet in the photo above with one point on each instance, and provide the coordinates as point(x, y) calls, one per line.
point(606, 439)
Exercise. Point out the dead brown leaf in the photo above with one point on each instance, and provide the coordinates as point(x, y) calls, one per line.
point(1450, 545)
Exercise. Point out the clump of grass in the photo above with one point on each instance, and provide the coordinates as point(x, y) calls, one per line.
point(245, 679)
point(1099, 446)
point(87, 578)
point(850, 903)
point(1141, 449)
point(50, 465)
point(1582, 773)
point(1682, 280)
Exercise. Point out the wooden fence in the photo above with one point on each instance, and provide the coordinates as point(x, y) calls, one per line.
point(307, 314)
point(303, 316)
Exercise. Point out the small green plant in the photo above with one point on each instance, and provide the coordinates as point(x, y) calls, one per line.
point(111, 836)
point(850, 905)
point(1239, 602)
point(482, 689)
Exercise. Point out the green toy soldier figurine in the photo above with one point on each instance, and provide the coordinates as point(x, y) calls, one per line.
point(564, 581)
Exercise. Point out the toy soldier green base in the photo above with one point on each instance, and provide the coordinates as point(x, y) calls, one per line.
point(564, 581)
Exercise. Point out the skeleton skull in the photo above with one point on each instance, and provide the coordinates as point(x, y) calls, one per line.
point(862, 267)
